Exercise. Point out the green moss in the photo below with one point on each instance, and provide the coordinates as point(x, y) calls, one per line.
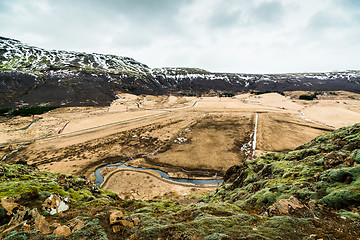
point(21, 179)
point(91, 230)
point(217, 236)
point(278, 226)
point(346, 214)
point(223, 214)
point(347, 174)
point(301, 154)
point(260, 198)
point(356, 156)
point(20, 235)
point(343, 195)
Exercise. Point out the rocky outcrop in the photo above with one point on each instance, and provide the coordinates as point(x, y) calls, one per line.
point(10, 205)
point(76, 224)
point(286, 207)
point(26, 219)
point(40, 222)
point(62, 230)
point(119, 223)
point(235, 174)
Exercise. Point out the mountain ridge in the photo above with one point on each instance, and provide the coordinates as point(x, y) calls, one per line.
point(33, 76)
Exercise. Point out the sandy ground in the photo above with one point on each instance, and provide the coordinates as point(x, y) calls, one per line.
point(212, 142)
point(146, 185)
point(184, 136)
point(334, 113)
point(283, 132)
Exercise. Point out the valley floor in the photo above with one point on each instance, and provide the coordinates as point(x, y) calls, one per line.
point(186, 137)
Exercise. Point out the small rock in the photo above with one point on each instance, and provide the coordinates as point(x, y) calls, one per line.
point(61, 179)
point(62, 230)
point(285, 207)
point(118, 221)
point(127, 223)
point(116, 217)
point(55, 225)
point(11, 206)
point(54, 204)
point(312, 237)
point(122, 225)
point(40, 222)
point(76, 225)
point(116, 228)
point(136, 221)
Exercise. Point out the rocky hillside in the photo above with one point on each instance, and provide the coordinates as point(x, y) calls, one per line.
point(31, 75)
point(34, 76)
point(312, 192)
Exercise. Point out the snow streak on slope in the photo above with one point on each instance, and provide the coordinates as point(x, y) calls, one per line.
point(19, 56)
point(34, 75)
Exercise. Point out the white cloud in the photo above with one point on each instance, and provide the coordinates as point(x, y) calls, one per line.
point(217, 35)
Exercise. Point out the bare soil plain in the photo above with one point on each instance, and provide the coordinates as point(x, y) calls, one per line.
point(186, 137)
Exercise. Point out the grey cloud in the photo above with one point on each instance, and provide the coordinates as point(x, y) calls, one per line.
point(140, 11)
point(128, 23)
point(350, 3)
point(352, 8)
point(224, 19)
point(268, 12)
point(218, 35)
point(225, 15)
point(246, 14)
point(4, 6)
point(324, 21)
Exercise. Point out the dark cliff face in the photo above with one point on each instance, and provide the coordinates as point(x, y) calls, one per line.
point(33, 76)
point(14, 84)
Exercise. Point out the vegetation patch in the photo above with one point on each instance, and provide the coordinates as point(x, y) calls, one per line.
point(323, 176)
point(29, 111)
point(5, 111)
point(264, 92)
point(308, 97)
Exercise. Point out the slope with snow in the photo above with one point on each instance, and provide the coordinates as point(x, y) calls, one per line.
point(37, 76)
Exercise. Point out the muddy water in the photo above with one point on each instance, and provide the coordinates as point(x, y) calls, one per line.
point(99, 179)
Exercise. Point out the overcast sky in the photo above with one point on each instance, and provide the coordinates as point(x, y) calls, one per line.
point(244, 36)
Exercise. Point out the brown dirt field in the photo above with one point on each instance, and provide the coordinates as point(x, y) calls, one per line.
point(153, 134)
point(213, 142)
point(132, 184)
point(80, 158)
point(334, 113)
point(278, 132)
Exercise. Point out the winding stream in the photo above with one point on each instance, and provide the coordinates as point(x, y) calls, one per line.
point(99, 179)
